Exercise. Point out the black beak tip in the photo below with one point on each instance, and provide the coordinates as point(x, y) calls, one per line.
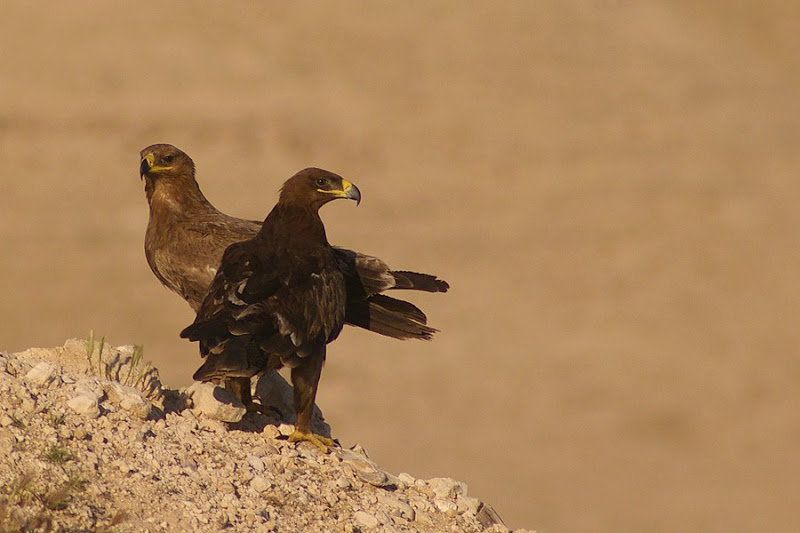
point(144, 168)
point(355, 194)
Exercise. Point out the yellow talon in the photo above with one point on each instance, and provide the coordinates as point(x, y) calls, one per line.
point(323, 443)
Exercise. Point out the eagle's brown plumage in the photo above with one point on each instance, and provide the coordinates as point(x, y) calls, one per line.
point(278, 298)
point(186, 236)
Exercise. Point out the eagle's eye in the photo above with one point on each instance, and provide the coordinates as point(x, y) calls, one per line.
point(168, 158)
point(321, 182)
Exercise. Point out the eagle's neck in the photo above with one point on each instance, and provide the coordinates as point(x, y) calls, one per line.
point(176, 196)
point(291, 226)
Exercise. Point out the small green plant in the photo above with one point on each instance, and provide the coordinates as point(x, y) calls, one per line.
point(56, 419)
point(58, 499)
point(57, 455)
point(137, 371)
point(16, 497)
point(19, 488)
point(90, 343)
point(136, 374)
point(17, 422)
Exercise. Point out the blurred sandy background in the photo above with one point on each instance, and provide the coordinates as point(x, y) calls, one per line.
point(609, 187)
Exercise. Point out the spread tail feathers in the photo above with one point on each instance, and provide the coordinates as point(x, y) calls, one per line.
point(391, 317)
point(421, 282)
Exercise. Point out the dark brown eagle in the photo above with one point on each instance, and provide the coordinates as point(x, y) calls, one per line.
point(279, 298)
point(186, 236)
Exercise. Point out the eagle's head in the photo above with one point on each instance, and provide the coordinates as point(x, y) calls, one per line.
point(164, 160)
point(314, 187)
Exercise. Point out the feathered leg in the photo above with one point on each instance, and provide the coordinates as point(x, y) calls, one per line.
point(240, 387)
point(305, 379)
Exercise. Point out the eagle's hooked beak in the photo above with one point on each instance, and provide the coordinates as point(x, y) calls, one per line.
point(146, 165)
point(351, 191)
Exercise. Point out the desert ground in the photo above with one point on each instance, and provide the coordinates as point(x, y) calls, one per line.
point(610, 188)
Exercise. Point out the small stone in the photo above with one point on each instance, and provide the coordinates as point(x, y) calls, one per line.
point(365, 519)
point(398, 507)
point(7, 442)
point(469, 505)
point(407, 478)
point(376, 478)
point(226, 488)
point(85, 404)
point(285, 429)
point(421, 504)
point(487, 516)
point(271, 431)
point(216, 402)
point(17, 367)
point(364, 469)
point(343, 483)
point(448, 507)
point(42, 374)
point(255, 463)
point(269, 449)
point(447, 488)
point(259, 483)
point(127, 398)
point(28, 404)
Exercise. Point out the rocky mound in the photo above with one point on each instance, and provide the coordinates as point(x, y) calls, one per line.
point(91, 441)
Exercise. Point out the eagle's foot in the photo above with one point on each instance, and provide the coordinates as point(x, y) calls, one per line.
point(323, 443)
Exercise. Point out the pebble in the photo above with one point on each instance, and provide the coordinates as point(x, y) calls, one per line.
point(271, 431)
point(407, 478)
point(260, 484)
point(85, 404)
point(255, 463)
point(285, 429)
point(446, 506)
point(127, 398)
point(42, 374)
point(467, 504)
point(447, 488)
point(216, 402)
point(488, 517)
point(398, 507)
point(365, 519)
point(7, 441)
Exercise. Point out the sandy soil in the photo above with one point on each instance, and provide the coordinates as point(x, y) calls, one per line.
point(609, 188)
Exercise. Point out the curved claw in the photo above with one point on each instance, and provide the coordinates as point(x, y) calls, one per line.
point(323, 443)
